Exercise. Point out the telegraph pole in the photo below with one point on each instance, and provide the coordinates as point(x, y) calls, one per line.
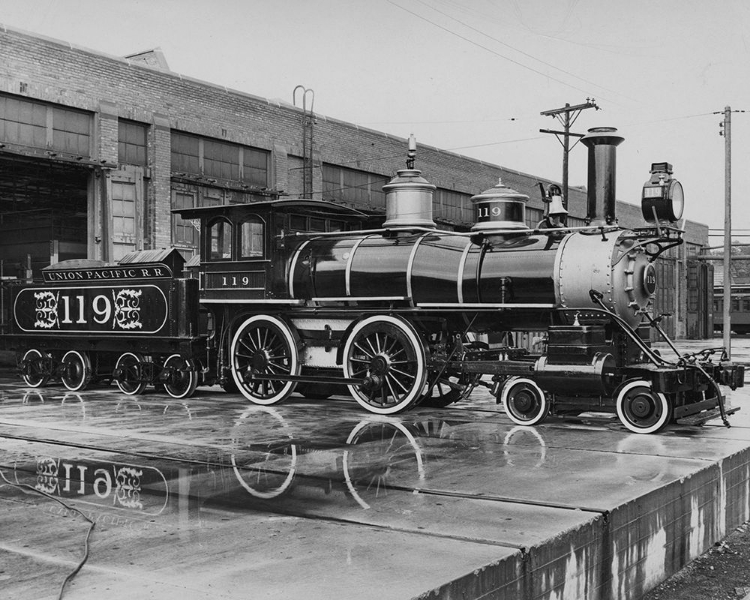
point(727, 308)
point(567, 115)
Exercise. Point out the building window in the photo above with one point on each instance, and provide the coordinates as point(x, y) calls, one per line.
point(193, 155)
point(453, 207)
point(220, 240)
point(302, 223)
point(252, 238)
point(185, 154)
point(533, 217)
point(132, 143)
point(575, 222)
point(71, 131)
point(23, 122)
point(44, 126)
point(184, 232)
point(665, 299)
point(255, 163)
point(221, 160)
point(354, 187)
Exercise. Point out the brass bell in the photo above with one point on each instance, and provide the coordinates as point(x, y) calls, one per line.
point(556, 208)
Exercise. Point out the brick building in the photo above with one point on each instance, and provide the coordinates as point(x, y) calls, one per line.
point(95, 151)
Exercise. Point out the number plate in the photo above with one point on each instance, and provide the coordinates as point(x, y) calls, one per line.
point(235, 280)
point(128, 309)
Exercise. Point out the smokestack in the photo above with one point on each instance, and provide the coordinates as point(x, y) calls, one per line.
point(602, 143)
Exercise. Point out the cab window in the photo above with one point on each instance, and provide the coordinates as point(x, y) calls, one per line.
point(251, 238)
point(220, 240)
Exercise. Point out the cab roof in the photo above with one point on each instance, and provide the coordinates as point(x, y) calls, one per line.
point(316, 207)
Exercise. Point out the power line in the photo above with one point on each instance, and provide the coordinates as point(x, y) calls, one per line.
point(443, 122)
point(494, 39)
point(545, 75)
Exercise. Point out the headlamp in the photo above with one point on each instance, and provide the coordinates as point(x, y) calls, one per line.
point(663, 198)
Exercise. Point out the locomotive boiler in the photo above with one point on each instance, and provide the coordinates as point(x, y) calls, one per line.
point(298, 296)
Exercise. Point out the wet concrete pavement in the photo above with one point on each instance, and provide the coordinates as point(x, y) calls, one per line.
point(212, 498)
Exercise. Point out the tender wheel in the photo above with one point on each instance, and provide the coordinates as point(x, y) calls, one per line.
point(35, 368)
point(264, 345)
point(448, 389)
point(641, 409)
point(76, 370)
point(181, 379)
point(388, 352)
point(524, 401)
point(129, 373)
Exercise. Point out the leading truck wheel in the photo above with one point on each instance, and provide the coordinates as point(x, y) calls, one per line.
point(34, 368)
point(641, 409)
point(76, 370)
point(524, 401)
point(388, 354)
point(264, 345)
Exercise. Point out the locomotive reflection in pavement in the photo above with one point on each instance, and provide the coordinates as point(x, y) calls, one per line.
point(378, 453)
point(266, 467)
point(381, 455)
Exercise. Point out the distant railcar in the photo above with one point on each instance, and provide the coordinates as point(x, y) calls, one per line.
point(740, 310)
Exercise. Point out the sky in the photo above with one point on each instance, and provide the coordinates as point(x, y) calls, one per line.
point(470, 76)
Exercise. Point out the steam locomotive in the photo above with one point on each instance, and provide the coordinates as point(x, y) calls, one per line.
point(294, 295)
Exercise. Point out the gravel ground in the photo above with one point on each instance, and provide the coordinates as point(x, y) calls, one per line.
point(721, 573)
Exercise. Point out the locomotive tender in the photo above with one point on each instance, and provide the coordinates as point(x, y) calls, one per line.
point(293, 295)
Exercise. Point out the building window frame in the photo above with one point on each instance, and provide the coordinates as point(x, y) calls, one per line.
point(194, 155)
point(132, 143)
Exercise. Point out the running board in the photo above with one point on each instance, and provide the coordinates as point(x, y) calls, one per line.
point(702, 417)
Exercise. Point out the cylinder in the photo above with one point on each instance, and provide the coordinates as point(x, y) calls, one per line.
point(576, 380)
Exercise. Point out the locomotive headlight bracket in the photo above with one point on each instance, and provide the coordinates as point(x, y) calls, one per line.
point(663, 198)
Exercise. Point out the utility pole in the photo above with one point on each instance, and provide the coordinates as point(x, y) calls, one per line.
point(567, 116)
point(727, 308)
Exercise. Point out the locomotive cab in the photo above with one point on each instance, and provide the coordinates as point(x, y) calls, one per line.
point(242, 246)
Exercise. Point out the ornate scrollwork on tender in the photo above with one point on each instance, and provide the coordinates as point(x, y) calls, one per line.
point(128, 487)
point(47, 475)
point(127, 309)
point(46, 310)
